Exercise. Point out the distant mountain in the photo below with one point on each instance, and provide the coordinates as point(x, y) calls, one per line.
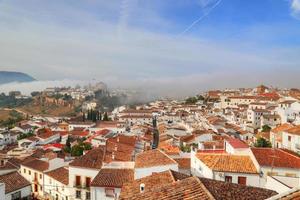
point(8, 77)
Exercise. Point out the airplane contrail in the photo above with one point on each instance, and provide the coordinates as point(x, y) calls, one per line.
point(200, 19)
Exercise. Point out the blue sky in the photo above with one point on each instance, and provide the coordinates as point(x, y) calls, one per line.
point(169, 42)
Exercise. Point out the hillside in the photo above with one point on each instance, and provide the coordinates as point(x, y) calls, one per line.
point(8, 77)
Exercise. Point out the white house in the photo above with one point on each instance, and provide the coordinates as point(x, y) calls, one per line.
point(152, 161)
point(82, 171)
point(279, 169)
point(225, 167)
point(14, 187)
point(85, 125)
point(289, 111)
point(108, 183)
point(291, 139)
point(56, 184)
point(34, 169)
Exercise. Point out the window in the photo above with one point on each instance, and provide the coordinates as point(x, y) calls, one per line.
point(228, 179)
point(29, 172)
point(272, 173)
point(109, 192)
point(78, 181)
point(78, 194)
point(290, 175)
point(88, 195)
point(242, 180)
point(16, 196)
point(289, 138)
point(24, 171)
point(41, 176)
point(87, 182)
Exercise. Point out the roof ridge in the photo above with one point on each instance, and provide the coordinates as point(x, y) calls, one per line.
point(172, 175)
point(204, 188)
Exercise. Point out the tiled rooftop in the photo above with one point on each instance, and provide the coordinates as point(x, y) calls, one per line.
point(13, 181)
point(60, 174)
point(152, 158)
point(276, 157)
point(228, 163)
point(113, 177)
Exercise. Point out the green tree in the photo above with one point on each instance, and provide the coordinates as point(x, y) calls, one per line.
point(77, 150)
point(266, 128)
point(87, 146)
point(191, 100)
point(105, 117)
point(35, 93)
point(262, 142)
point(201, 98)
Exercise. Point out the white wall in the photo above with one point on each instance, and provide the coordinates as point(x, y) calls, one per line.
point(53, 188)
point(273, 184)
point(142, 172)
point(25, 192)
point(99, 193)
point(2, 191)
point(83, 173)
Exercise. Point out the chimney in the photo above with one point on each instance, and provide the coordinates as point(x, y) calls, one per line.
point(142, 187)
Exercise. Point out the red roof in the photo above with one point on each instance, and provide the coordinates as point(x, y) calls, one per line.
point(50, 146)
point(97, 133)
point(276, 157)
point(237, 144)
point(211, 151)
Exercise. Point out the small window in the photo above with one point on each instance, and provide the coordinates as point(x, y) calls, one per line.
point(78, 181)
point(290, 175)
point(41, 176)
point(16, 196)
point(228, 179)
point(87, 182)
point(29, 172)
point(88, 196)
point(109, 192)
point(78, 194)
point(242, 180)
point(272, 174)
point(24, 170)
point(289, 138)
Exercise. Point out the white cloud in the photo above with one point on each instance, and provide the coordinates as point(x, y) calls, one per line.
point(73, 43)
point(295, 6)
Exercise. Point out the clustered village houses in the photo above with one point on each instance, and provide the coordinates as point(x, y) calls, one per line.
point(227, 144)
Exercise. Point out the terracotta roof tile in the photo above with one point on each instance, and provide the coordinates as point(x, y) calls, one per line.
point(228, 163)
point(282, 127)
point(113, 177)
point(295, 130)
point(236, 143)
point(13, 181)
point(154, 180)
point(228, 191)
point(183, 163)
point(277, 157)
point(92, 159)
point(187, 189)
point(38, 165)
point(152, 158)
point(60, 174)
